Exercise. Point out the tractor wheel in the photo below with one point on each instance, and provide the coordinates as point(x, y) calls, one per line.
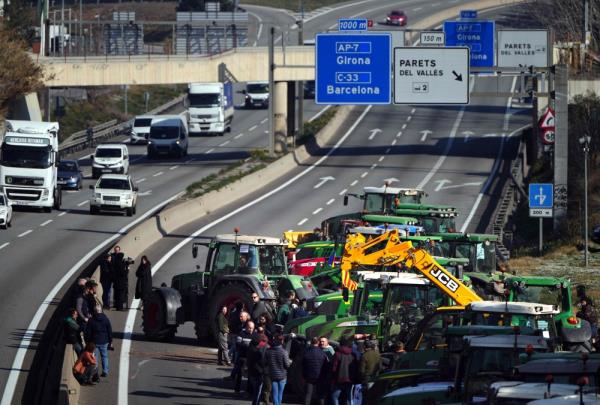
point(154, 319)
point(229, 295)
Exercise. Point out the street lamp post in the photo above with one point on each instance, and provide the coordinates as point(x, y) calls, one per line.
point(585, 143)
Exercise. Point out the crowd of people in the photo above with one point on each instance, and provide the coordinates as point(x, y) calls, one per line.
point(253, 343)
point(86, 326)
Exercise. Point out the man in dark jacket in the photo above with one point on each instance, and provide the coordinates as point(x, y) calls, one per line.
point(277, 362)
point(121, 279)
point(257, 308)
point(343, 364)
point(242, 343)
point(255, 361)
point(99, 331)
point(81, 304)
point(106, 279)
point(313, 366)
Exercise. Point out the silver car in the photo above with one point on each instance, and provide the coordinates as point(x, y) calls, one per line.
point(5, 212)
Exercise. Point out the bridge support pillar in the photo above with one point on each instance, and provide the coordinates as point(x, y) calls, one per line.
point(280, 111)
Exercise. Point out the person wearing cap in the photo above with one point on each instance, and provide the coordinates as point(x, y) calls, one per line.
point(99, 331)
point(369, 364)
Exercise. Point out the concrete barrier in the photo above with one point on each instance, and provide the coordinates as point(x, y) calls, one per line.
point(69, 389)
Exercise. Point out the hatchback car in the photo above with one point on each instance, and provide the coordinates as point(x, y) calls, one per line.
point(596, 233)
point(5, 211)
point(114, 192)
point(69, 174)
point(396, 17)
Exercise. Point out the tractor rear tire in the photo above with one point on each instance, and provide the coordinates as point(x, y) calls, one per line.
point(230, 295)
point(154, 322)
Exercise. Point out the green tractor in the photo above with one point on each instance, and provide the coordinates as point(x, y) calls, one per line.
point(236, 266)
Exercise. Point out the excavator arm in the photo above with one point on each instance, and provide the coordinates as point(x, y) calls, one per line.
point(387, 250)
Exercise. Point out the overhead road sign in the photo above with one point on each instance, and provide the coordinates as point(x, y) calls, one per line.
point(353, 68)
point(541, 200)
point(431, 75)
point(353, 24)
point(479, 36)
point(468, 14)
point(432, 38)
point(523, 48)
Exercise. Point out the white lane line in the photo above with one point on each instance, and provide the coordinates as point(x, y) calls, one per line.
point(189, 161)
point(399, 134)
point(224, 143)
point(238, 136)
point(209, 151)
point(353, 183)
point(5, 244)
point(123, 390)
point(23, 347)
point(383, 157)
point(302, 221)
point(260, 26)
point(496, 163)
point(46, 222)
point(317, 115)
point(252, 128)
point(263, 120)
point(393, 142)
point(435, 4)
point(417, 8)
point(388, 150)
point(83, 203)
point(344, 191)
point(413, 110)
point(315, 212)
point(173, 167)
point(63, 213)
point(141, 180)
point(330, 201)
point(409, 118)
point(373, 166)
point(444, 155)
point(365, 174)
point(403, 126)
point(157, 174)
point(27, 232)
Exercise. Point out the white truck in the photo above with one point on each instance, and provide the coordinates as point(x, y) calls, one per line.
point(28, 164)
point(210, 107)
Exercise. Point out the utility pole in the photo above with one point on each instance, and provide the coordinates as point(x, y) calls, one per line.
point(561, 147)
point(300, 83)
point(585, 142)
point(272, 91)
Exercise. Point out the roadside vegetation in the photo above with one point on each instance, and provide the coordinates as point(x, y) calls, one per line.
point(294, 5)
point(312, 128)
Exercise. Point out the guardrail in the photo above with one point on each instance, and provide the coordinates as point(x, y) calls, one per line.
point(97, 128)
point(110, 129)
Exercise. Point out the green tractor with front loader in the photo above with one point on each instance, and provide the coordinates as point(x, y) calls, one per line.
point(236, 266)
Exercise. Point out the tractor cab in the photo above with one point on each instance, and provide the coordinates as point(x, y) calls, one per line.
point(479, 249)
point(434, 218)
point(384, 200)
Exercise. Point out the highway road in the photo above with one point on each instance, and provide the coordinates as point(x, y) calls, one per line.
point(454, 153)
point(451, 169)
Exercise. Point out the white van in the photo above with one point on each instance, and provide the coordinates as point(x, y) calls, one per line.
point(168, 136)
point(141, 129)
point(110, 158)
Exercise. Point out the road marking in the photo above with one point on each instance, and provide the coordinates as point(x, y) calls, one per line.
point(435, 4)
point(141, 180)
point(444, 155)
point(209, 151)
point(330, 201)
point(173, 167)
point(383, 157)
point(189, 161)
point(157, 174)
point(224, 143)
point(399, 134)
point(302, 221)
point(252, 128)
point(393, 142)
point(374, 132)
point(324, 180)
point(238, 136)
point(25, 233)
point(388, 150)
point(495, 166)
point(417, 8)
point(315, 212)
point(424, 134)
point(413, 110)
point(83, 203)
point(403, 126)
point(28, 334)
point(46, 222)
point(353, 183)
point(263, 121)
point(63, 213)
point(467, 134)
point(317, 115)
point(373, 166)
point(344, 191)
point(5, 244)
point(441, 184)
point(260, 26)
point(409, 118)
point(365, 174)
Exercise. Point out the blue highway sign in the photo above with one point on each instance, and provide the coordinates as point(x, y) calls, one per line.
point(353, 24)
point(353, 69)
point(468, 14)
point(541, 195)
point(477, 35)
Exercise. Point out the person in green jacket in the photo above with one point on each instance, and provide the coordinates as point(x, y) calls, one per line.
point(223, 328)
point(369, 364)
point(284, 312)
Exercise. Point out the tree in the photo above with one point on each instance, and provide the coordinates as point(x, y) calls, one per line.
point(19, 16)
point(19, 74)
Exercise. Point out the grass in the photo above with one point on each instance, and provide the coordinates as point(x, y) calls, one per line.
point(294, 5)
point(312, 128)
